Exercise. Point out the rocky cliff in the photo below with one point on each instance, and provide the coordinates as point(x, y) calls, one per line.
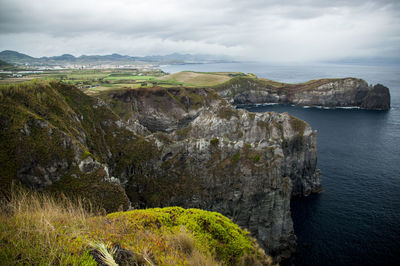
point(211, 156)
point(161, 147)
point(347, 92)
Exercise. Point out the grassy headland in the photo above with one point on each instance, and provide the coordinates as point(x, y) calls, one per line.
point(40, 229)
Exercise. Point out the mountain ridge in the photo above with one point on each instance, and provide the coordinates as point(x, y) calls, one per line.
point(18, 58)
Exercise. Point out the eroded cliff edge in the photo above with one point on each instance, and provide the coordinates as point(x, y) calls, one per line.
point(161, 147)
point(346, 92)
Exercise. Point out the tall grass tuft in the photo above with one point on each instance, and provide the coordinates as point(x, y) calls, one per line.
point(106, 252)
point(34, 226)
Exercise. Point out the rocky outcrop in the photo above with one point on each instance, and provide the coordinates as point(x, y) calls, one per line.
point(162, 147)
point(347, 92)
point(243, 165)
point(378, 98)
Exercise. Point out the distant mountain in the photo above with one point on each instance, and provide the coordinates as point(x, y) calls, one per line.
point(113, 59)
point(6, 66)
point(15, 57)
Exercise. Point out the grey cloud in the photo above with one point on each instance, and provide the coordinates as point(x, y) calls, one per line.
point(253, 29)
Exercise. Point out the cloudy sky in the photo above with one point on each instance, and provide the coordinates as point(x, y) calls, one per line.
point(265, 30)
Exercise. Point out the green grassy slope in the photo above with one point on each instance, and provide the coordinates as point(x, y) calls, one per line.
point(37, 229)
point(47, 128)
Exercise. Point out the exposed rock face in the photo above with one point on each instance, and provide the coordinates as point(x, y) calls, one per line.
point(243, 165)
point(348, 92)
point(377, 98)
point(197, 151)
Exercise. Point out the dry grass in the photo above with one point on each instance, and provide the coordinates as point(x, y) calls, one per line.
point(183, 241)
point(106, 252)
point(33, 225)
point(197, 79)
point(40, 229)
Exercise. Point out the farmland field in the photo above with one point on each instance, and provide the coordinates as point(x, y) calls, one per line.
point(95, 81)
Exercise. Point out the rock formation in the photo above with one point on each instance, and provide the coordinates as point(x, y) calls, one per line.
point(347, 92)
point(161, 147)
point(211, 156)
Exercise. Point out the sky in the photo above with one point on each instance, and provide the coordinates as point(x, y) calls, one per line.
point(254, 30)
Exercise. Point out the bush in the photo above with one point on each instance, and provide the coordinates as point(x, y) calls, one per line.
point(256, 158)
point(214, 142)
point(236, 157)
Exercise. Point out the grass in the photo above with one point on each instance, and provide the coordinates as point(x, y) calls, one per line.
point(236, 157)
point(256, 158)
point(41, 229)
point(130, 77)
point(37, 229)
point(297, 125)
point(197, 78)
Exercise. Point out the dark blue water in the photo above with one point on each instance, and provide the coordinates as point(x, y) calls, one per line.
point(356, 220)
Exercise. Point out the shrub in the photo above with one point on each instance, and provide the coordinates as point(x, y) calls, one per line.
point(256, 158)
point(214, 141)
point(86, 154)
point(297, 125)
point(236, 157)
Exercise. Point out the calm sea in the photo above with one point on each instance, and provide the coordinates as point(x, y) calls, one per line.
point(356, 220)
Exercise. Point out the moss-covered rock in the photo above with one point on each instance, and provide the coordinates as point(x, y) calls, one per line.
point(212, 232)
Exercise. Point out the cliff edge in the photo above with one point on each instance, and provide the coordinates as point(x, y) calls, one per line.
point(346, 92)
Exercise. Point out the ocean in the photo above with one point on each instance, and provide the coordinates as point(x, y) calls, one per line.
point(356, 219)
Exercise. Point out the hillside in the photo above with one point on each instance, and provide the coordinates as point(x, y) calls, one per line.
point(15, 57)
point(199, 79)
point(6, 66)
point(33, 224)
point(157, 147)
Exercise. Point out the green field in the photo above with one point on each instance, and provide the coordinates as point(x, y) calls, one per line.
point(130, 77)
point(95, 81)
point(197, 79)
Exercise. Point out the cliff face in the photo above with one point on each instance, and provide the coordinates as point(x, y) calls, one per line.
point(243, 165)
point(348, 92)
point(162, 147)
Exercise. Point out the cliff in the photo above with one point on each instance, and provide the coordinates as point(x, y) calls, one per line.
point(211, 156)
point(158, 147)
point(347, 92)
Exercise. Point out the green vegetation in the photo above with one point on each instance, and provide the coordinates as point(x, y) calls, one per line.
point(86, 154)
point(48, 124)
point(5, 66)
point(198, 79)
point(183, 132)
point(256, 158)
point(241, 83)
point(114, 77)
point(214, 141)
point(297, 125)
point(236, 157)
point(227, 112)
point(38, 229)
